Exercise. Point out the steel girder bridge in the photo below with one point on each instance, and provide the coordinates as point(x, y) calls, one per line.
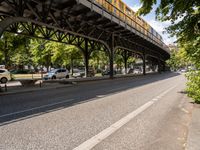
point(82, 23)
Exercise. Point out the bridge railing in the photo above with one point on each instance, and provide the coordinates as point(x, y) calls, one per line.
point(135, 22)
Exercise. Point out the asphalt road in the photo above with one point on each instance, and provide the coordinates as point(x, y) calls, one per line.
point(150, 112)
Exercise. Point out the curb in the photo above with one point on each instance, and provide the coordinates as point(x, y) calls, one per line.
point(33, 90)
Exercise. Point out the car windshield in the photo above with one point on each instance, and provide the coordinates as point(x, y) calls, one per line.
point(2, 71)
point(53, 71)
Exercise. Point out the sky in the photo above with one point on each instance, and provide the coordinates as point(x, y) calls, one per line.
point(150, 19)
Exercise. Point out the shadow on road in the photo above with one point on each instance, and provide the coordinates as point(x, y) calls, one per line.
point(18, 107)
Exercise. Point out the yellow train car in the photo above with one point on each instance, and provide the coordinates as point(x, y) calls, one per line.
point(125, 13)
point(107, 4)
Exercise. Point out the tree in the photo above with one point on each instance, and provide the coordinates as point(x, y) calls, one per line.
point(11, 47)
point(178, 59)
point(54, 54)
point(99, 59)
point(184, 16)
point(67, 55)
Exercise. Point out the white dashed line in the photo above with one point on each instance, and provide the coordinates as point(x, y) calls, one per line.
point(90, 143)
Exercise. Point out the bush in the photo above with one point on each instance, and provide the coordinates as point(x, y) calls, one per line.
point(193, 85)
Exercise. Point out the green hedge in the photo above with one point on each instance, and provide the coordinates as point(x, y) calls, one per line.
point(193, 85)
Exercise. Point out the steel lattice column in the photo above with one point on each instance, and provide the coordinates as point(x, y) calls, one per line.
point(86, 58)
point(144, 63)
point(159, 66)
point(125, 60)
point(112, 48)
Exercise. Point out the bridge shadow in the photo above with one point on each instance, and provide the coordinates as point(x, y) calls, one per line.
point(88, 92)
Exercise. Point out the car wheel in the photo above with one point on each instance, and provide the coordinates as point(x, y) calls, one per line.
point(4, 80)
point(54, 77)
point(67, 76)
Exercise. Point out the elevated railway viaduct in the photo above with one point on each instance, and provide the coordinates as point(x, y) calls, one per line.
point(82, 23)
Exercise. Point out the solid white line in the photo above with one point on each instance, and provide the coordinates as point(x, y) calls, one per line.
point(35, 108)
point(90, 143)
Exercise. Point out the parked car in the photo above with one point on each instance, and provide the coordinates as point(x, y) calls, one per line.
point(81, 72)
point(4, 76)
point(78, 73)
point(57, 74)
point(137, 71)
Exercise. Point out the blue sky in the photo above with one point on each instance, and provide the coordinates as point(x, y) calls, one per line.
point(150, 18)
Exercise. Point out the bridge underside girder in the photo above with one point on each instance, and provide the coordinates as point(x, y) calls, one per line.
point(72, 22)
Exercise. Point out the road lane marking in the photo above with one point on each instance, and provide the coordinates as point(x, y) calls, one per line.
point(90, 143)
point(35, 108)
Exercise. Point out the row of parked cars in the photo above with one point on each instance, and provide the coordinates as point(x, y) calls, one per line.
point(64, 73)
point(59, 73)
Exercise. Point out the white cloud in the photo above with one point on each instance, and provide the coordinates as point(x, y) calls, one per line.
point(135, 7)
point(160, 28)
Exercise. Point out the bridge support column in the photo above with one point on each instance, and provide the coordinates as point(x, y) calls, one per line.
point(86, 58)
point(159, 66)
point(125, 61)
point(112, 48)
point(2, 28)
point(144, 63)
point(164, 66)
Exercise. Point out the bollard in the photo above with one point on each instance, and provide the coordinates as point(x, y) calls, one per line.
point(40, 84)
point(6, 89)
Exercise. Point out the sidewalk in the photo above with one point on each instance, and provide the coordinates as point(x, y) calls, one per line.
point(193, 140)
point(15, 87)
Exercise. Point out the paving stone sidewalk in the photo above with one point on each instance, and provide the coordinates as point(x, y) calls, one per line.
point(193, 141)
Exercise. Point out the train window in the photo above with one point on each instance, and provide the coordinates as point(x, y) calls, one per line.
point(110, 1)
point(115, 10)
point(128, 11)
point(121, 6)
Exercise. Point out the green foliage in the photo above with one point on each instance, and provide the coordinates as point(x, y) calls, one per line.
point(193, 85)
point(131, 60)
point(184, 16)
point(10, 45)
point(178, 59)
point(192, 49)
point(99, 59)
point(49, 53)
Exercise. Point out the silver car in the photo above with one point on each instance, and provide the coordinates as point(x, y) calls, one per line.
point(57, 74)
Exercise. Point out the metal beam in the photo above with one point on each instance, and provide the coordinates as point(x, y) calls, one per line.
point(144, 63)
point(112, 49)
